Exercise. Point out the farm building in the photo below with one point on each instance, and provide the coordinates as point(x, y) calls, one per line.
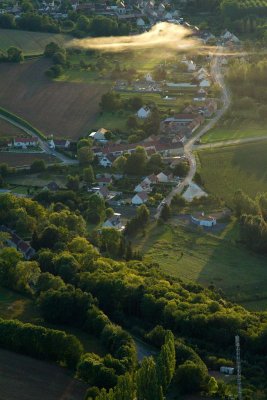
point(203, 220)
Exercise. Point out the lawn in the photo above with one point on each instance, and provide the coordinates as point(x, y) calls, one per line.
point(225, 170)
point(32, 43)
point(193, 255)
point(237, 129)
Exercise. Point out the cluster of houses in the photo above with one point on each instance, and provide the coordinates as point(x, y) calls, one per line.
point(145, 187)
point(19, 244)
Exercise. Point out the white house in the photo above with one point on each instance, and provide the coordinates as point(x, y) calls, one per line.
point(140, 198)
point(142, 187)
point(24, 142)
point(143, 112)
point(100, 135)
point(204, 83)
point(114, 222)
point(105, 161)
point(162, 178)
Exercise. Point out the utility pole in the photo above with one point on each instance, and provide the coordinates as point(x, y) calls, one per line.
point(238, 368)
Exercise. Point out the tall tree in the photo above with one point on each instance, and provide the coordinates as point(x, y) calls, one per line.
point(147, 381)
point(166, 362)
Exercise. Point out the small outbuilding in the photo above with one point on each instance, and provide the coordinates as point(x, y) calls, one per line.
point(203, 220)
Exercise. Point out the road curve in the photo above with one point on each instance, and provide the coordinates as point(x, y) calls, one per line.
point(216, 72)
point(42, 143)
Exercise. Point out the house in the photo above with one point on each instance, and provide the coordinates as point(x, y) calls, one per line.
point(114, 222)
point(106, 161)
point(52, 186)
point(204, 83)
point(100, 135)
point(140, 198)
point(191, 66)
point(162, 178)
point(103, 192)
point(24, 142)
point(104, 181)
point(61, 144)
point(149, 78)
point(18, 243)
point(201, 95)
point(142, 187)
point(230, 37)
point(151, 179)
point(140, 23)
point(207, 109)
point(143, 112)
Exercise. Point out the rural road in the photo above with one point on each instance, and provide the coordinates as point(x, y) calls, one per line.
point(216, 72)
point(230, 142)
point(42, 143)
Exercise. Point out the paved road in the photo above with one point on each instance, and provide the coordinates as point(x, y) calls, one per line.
point(216, 72)
point(42, 143)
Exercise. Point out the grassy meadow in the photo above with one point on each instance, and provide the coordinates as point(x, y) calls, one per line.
point(225, 170)
point(31, 43)
point(191, 254)
point(235, 129)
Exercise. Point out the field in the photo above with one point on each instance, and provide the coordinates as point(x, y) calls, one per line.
point(31, 43)
point(235, 129)
point(66, 110)
point(191, 254)
point(23, 378)
point(225, 170)
point(24, 159)
point(8, 130)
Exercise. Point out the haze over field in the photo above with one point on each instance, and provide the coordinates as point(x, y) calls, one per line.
point(163, 35)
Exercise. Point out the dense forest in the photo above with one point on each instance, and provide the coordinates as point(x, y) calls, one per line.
point(76, 283)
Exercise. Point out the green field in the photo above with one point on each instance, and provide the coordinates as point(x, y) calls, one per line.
point(191, 254)
point(32, 43)
point(236, 129)
point(225, 170)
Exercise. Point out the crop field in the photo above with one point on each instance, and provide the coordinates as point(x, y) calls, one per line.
point(25, 159)
point(8, 130)
point(66, 110)
point(225, 170)
point(235, 129)
point(24, 378)
point(32, 43)
point(193, 255)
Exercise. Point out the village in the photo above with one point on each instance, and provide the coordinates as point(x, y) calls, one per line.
point(166, 178)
